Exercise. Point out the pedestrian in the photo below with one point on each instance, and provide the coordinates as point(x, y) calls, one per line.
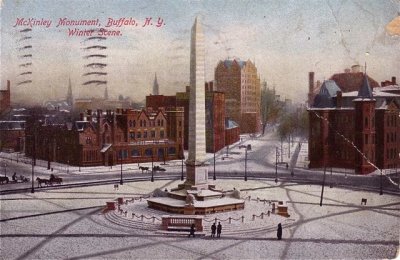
point(213, 228)
point(219, 229)
point(14, 177)
point(192, 231)
point(279, 232)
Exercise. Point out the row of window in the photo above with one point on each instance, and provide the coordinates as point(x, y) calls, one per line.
point(147, 152)
point(391, 153)
point(143, 123)
point(391, 120)
point(90, 155)
point(391, 137)
point(144, 134)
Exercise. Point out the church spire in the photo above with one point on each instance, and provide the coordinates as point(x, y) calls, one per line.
point(70, 98)
point(155, 85)
point(365, 90)
point(106, 93)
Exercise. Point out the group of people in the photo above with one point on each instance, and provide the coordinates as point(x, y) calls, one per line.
point(218, 229)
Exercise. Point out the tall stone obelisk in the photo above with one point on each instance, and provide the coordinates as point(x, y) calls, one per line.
point(197, 174)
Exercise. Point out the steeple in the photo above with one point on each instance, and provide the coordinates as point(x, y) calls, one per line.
point(105, 94)
point(156, 90)
point(365, 90)
point(70, 98)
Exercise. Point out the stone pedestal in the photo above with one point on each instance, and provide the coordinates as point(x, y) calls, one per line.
point(196, 177)
point(189, 209)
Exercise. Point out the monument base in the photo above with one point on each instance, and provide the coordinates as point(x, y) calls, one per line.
point(196, 196)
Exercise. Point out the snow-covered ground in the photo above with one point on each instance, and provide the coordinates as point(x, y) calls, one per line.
point(69, 223)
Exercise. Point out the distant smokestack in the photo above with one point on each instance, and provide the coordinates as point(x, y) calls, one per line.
point(8, 85)
point(339, 99)
point(394, 81)
point(311, 82)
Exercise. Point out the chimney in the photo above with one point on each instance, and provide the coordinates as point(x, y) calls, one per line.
point(311, 82)
point(8, 85)
point(187, 88)
point(394, 81)
point(339, 99)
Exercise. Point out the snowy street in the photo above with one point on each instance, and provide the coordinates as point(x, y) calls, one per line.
point(69, 223)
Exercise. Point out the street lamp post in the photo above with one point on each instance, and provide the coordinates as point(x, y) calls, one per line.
point(245, 165)
point(214, 177)
point(276, 165)
point(323, 186)
point(381, 190)
point(121, 182)
point(182, 170)
point(152, 169)
point(33, 185)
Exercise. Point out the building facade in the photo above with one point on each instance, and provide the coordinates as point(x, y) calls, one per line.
point(5, 99)
point(356, 129)
point(241, 84)
point(110, 138)
point(215, 116)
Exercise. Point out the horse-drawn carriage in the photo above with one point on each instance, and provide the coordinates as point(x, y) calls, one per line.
point(4, 179)
point(53, 179)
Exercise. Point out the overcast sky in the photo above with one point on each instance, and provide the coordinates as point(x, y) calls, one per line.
point(286, 39)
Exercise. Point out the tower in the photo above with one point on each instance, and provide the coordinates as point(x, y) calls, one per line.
point(365, 128)
point(106, 93)
point(156, 90)
point(196, 173)
point(70, 98)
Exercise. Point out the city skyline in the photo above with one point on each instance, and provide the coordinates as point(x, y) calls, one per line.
point(284, 39)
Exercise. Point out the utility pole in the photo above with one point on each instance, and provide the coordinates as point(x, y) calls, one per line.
point(121, 182)
point(245, 165)
point(276, 165)
point(152, 168)
point(323, 186)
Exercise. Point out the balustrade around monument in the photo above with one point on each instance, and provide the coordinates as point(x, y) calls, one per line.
point(273, 207)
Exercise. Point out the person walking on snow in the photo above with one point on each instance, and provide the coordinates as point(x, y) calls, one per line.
point(192, 228)
point(219, 229)
point(279, 232)
point(213, 228)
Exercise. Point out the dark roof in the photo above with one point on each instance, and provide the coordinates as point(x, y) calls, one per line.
point(352, 81)
point(325, 96)
point(323, 101)
point(228, 63)
point(329, 88)
point(365, 91)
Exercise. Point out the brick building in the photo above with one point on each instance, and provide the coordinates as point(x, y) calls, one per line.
point(12, 135)
point(241, 84)
point(124, 135)
point(367, 118)
point(349, 80)
point(5, 99)
point(215, 116)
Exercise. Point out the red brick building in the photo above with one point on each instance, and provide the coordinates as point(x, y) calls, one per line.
point(124, 135)
point(12, 135)
point(241, 84)
point(354, 129)
point(215, 116)
point(5, 99)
